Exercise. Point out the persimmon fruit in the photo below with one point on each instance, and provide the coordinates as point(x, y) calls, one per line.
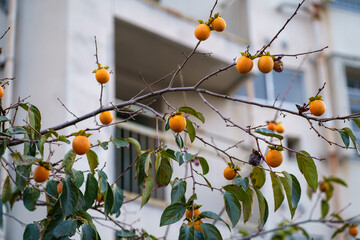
point(189, 214)
point(317, 107)
point(177, 123)
point(353, 231)
point(324, 186)
point(202, 32)
point(274, 158)
point(271, 126)
point(196, 224)
point(59, 187)
point(106, 117)
point(102, 76)
point(265, 64)
point(229, 173)
point(41, 174)
point(244, 64)
point(218, 24)
point(81, 145)
point(279, 128)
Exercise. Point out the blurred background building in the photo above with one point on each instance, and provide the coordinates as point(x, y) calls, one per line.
point(50, 51)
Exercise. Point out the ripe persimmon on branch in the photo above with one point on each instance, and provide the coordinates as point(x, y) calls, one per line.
point(70, 204)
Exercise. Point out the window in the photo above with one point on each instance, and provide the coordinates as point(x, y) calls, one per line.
point(293, 143)
point(275, 85)
point(125, 156)
point(351, 5)
point(353, 86)
point(4, 4)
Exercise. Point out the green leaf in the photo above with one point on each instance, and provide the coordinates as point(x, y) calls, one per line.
point(4, 119)
point(191, 130)
point(121, 142)
point(336, 180)
point(186, 232)
point(258, 177)
point(329, 192)
point(210, 231)
point(88, 232)
point(16, 130)
point(41, 145)
point(102, 181)
point(140, 168)
point(91, 190)
point(22, 173)
point(62, 138)
point(108, 199)
point(232, 207)
point(340, 230)
point(24, 160)
point(191, 199)
point(31, 232)
point(30, 197)
point(207, 181)
point(6, 191)
point(135, 143)
point(243, 182)
point(352, 137)
point(296, 194)
point(125, 233)
point(308, 168)
point(172, 214)
point(337, 216)
point(178, 191)
point(164, 172)
point(179, 141)
point(34, 118)
point(78, 177)
point(93, 160)
point(287, 182)
point(192, 112)
point(69, 160)
point(277, 189)
point(305, 233)
point(182, 157)
point(148, 187)
point(345, 138)
point(248, 206)
point(170, 153)
point(243, 197)
point(105, 145)
point(51, 188)
point(65, 229)
point(167, 125)
point(269, 133)
point(69, 197)
point(356, 121)
point(204, 165)
point(263, 207)
point(214, 216)
point(324, 208)
point(118, 199)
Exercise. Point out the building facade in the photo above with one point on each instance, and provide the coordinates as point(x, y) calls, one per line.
point(51, 54)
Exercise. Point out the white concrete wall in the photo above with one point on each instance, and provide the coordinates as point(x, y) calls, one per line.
point(55, 58)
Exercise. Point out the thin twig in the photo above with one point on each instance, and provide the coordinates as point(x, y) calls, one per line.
point(67, 108)
point(5, 33)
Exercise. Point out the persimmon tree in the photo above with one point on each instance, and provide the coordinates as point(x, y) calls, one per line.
point(72, 195)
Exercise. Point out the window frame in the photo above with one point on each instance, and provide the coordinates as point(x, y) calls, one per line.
point(270, 89)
